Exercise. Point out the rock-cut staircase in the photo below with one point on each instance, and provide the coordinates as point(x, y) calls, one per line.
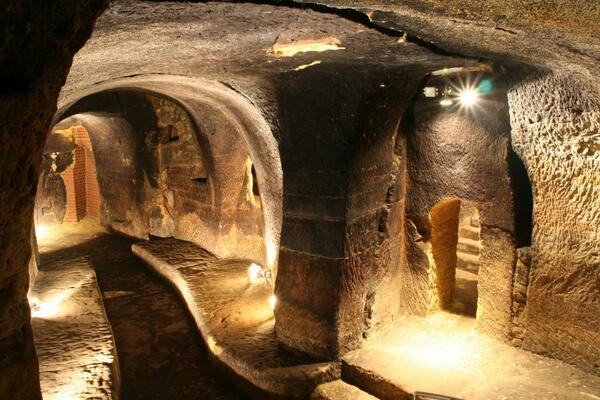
point(467, 249)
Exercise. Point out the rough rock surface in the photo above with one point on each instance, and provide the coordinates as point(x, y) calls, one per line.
point(444, 355)
point(235, 319)
point(73, 338)
point(161, 353)
point(234, 44)
point(563, 35)
point(37, 46)
point(339, 390)
point(555, 126)
point(357, 107)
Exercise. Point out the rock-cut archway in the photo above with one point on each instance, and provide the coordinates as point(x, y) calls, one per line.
point(455, 256)
point(215, 111)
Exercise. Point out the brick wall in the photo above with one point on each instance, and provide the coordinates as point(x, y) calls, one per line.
point(81, 183)
point(92, 190)
point(68, 178)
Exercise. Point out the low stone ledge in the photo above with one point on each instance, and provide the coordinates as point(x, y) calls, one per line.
point(73, 338)
point(340, 390)
point(235, 319)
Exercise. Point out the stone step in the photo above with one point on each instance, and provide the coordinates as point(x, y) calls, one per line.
point(468, 246)
point(469, 232)
point(468, 257)
point(467, 261)
point(339, 390)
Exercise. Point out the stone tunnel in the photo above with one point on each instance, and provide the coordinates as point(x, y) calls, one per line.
point(334, 199)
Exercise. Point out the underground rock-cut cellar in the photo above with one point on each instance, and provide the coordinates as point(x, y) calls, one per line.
point(324, 199)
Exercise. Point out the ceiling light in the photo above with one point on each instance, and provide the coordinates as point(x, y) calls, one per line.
point(468, 97)
point(430, 91)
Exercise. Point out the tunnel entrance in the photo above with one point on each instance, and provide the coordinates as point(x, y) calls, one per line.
point(455, 252)
point(155, 173)
point(68, 188)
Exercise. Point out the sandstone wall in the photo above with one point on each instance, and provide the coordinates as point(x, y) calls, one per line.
point(555, 122)
point(38, 42)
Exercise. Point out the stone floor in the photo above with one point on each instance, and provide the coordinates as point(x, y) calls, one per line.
point(161, 355)
point(235, 318)
point(443, 354)
point(465, 293)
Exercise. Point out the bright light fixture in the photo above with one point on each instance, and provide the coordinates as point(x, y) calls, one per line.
point(47, 309)
point(272, 301)
point(41, 231)
point(468, 97)
point(254, 272)
point(445, 102)
point(430, 91)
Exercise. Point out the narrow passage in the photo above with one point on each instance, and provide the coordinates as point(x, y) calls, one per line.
point(161, 354)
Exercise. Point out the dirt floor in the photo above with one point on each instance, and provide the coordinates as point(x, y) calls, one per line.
point(160, 351)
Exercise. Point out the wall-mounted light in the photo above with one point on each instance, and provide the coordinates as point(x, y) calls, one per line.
point(41, 231)
point(254, 272)
point(466, 92)
point(430, 91)
point(49, 307)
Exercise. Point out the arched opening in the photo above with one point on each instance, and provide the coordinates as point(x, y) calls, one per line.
point(164, 174)
point(455, 255)
point(183, 173)
point(522, 198)
point(214, 112)
point(68, 188)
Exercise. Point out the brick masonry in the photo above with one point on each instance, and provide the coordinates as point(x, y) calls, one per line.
point(83, 192)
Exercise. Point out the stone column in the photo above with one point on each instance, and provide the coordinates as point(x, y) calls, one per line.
point(340, 168)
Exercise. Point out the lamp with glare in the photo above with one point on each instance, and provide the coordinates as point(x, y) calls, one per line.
point(254, 272)
point(41, 231)
point(47, 309)
point(468, 97)
point(430, 91)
